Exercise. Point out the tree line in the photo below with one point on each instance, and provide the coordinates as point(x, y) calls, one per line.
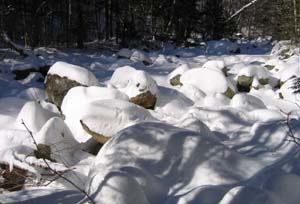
point(69, 23)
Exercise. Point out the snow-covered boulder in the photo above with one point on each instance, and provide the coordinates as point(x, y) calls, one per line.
point(174, 76)
point(124, 53)
point(247, 75)
point(140, 87)
point(288, 71)
point(192, 92)
point(247, 102)
point(57, 136)
point(101, 119)
point(287, 93)
point(166, 162)
point(216, 64)
point(204, 78)
point(139, 56)
point(34, 116)
point(33, 94)
point(63, 76)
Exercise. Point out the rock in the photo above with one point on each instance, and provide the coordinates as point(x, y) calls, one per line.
point(23, 73)
point(263, 81)
point(57, 87)
point(43, 151)
point(98, 137)
point(62, 77)
point(229, 93)
point(175, 81)
point(269, 67)
point(244, 83)
point(146, 100)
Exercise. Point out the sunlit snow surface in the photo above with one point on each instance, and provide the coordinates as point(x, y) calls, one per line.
point(196, 146)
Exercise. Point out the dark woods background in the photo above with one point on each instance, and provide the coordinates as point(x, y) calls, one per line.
point(70, 23)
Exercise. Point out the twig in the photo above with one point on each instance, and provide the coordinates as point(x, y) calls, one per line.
point(55, 172)
point(291, 134)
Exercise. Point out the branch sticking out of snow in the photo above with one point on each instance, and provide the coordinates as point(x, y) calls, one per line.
point(20, 49)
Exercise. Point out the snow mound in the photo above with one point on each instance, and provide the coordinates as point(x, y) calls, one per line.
point(133, 82)
point(164, 157)
point(254, 71)
point(34, 116)
point(139, 56)
point(74, 72)
point(58, 137)
point(247, 102)
point(215, 100)
point(266, 115)
point(192, 92)
point(214, 64)
point(179, 70)
point(204, 78)
point(124, 53)
point(288, 71)
point(105, 117)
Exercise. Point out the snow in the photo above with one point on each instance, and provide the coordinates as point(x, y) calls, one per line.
point(196, 146)
point(203, 78)
point(74, 72)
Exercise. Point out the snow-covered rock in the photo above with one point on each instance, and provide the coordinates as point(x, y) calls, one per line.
point(124, 53)
point(140, 87)
point(246, 102)
point(164, 157)
point(174, 76)
point(33, 94)
point(34, 116)
point(57, 136)
point(103, 117)
point(287, 92)
point(139, 56)
point(63, 76)
point(216, 64)
point(204, 78)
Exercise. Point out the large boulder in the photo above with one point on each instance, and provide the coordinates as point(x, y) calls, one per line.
point(204, 78)
point(62, 77)
point(140, 87)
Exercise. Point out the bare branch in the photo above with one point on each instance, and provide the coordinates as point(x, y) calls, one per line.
point(55, 172)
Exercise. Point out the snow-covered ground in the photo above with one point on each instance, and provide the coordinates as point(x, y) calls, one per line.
point(217, 130)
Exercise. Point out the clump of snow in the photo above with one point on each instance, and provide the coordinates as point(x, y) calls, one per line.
point(34, 116)
point(133, 82)
point(74, 72)
point(246, 102)
point(204, 78)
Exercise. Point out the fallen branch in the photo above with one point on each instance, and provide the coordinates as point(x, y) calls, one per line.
point(54, 171)
point(241, 10)
point(18, 48)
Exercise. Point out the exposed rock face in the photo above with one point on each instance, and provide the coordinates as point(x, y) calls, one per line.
point(43, 151)
point(98, 137)
point(244, 83)
point(229, 93)
point(175, 81)
point(57, 87)
point(146, 100)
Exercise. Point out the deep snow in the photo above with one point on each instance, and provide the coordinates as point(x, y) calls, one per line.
point(196, 146)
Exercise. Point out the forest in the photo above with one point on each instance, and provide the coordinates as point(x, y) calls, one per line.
point(126, 23)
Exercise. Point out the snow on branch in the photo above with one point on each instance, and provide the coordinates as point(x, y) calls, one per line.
point(241, 10)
